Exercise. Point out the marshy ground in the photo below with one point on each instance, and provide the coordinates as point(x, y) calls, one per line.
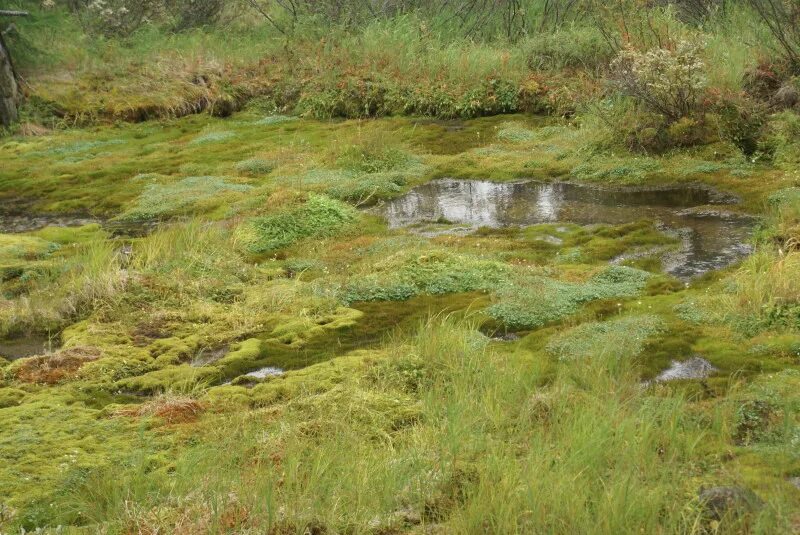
point(272, 324)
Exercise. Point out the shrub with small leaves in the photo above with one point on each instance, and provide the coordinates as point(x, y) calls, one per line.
point(255, 167)
point(212, 137)
point(320, 216)
point(669, 81)
point(620, 338)
point(164, 200)
point(534, 301)
point(406, 275)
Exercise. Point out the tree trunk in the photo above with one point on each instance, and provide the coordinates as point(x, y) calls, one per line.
point(9, 90)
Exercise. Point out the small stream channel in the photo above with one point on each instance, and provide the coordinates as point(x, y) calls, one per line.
point(711, 236)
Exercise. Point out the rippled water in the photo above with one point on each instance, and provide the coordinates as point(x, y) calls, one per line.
point(711, 238)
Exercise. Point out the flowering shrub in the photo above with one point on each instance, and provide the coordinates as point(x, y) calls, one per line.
point(669, 81)
point(123, 17)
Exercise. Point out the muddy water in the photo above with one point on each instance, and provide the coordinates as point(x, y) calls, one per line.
point(711, 238)
point(26, 347)
point(20, 222)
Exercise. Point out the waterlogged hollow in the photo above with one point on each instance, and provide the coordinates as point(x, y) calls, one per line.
point(24, 222)
point(711, 238)
point(26, 347)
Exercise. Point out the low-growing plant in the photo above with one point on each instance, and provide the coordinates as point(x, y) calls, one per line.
point(255, 167)
point(179, 198)
point(212, 137)
point(514, 133)
point(530, 302)
point(621, 338)
point(406, 275)
point(319, 216)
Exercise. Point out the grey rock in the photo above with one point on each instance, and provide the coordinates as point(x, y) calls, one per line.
point(718, 502)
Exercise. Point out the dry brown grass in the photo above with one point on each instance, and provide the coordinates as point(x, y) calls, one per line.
point(171, 408)
point(60, 366)
point(33, 130)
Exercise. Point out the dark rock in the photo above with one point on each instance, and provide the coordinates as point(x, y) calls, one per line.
point(506, 337)
point(718, 502)
point(787, 96)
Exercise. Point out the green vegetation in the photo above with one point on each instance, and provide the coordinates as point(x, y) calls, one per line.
point(206, 326)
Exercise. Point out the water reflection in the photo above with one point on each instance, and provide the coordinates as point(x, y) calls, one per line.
point(710, 240)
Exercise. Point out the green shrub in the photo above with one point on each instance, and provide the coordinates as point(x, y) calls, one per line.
point(320, 216)
point(275, 119)
point(165, 200)
point(373, 156)
point(621, 338)
point(406, 275)
point(255, 167)
point(534, 301)
point(515, 133)
point(669, 81)
point(212, 137)
point(170, 378)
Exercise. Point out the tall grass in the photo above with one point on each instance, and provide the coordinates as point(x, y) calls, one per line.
point(91, 279)
point(442, 431)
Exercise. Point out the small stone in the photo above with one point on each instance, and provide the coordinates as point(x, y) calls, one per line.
point(719, 502)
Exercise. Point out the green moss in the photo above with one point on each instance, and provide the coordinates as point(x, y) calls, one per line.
point(180, 378)
point(275, 119)
point(243, 357)
point(295, 332)
point(316, 379)
point(174, 350)
point(47, 439)
point(72, 235)
point(10, 397)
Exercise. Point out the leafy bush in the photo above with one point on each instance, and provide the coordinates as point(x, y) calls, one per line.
point(536, 301)
point(406, 275)
point(515, 133)
point(622, 338)
point(123, 17)
point(320, 216)
point(212, 137)
point(275, 119)
point(373, 156)
point(164, 200)
point(671, 82)
point(356, 97)
point(255, 167)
